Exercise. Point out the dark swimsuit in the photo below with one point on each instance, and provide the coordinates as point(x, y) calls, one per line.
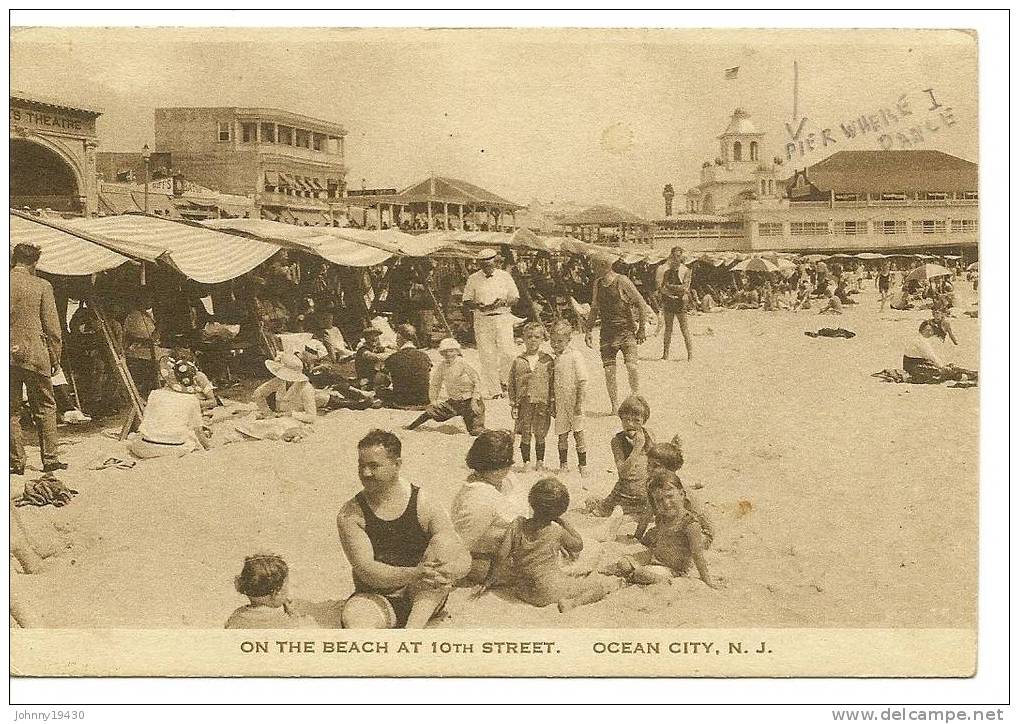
point(400, 542)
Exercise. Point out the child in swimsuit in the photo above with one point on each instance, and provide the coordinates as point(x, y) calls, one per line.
point(528, 559)
point(678, 538)
point(264, 580)
point(629, 449)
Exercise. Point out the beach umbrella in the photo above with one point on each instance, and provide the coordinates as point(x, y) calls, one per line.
point(870, 255)
point(755, 264)
point(784, 264)
point(974, 266)
point(928, 271)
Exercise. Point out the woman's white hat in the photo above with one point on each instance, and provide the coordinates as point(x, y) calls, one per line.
point(486, 254)
point(287, 367)
point(449, 343)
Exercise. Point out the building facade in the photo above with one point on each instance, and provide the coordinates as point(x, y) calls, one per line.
point(291, 166)
point(52, 155)
point(852, 201)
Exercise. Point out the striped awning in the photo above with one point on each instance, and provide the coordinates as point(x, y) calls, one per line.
point(62, 253)
point(346, 247)
point(200, 254)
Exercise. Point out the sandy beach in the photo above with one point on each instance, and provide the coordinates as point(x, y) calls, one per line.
point(838, 500)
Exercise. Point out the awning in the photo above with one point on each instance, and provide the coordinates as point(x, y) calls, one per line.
point(310, 217)
point(346, 247)
point(62, 253)
point(317, 184)
point(286, 180)
point(521, 238)
point(206, 256)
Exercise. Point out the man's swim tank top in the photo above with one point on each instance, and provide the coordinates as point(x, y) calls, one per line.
point(400, 542)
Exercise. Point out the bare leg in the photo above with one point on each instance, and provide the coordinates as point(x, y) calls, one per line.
point(687, 338)
point(667, 338)
point(426, 602)
point(633, 375)
point(594, 591)
point(610, 385)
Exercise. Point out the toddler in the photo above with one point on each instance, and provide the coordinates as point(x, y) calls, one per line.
point(264, 581)
point(528, 559)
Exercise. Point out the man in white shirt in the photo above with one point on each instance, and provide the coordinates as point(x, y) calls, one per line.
point(489, 294)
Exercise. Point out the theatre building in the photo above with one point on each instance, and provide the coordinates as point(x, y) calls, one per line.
point(52, 155)
point(291, 166)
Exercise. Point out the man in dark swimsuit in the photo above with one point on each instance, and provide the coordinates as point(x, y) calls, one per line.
point(616, 301)
point(402, 547)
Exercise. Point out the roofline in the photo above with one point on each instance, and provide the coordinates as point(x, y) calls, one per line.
point(278, 113)
point(51, 102)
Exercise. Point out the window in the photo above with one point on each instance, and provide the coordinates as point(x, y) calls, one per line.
point(936, 195)
point(223, 131)
point(964, 225)
point(769, 229)
point(808, 228)
point(286, 136)
point(301, 138)
point(929, 226)
point(851, 228)
point(248, 132)
point(753, 150)
point(737, 151)
point(317, 141)
point(893, 197)
point(268, 133)
point(968, 195)
point(892, 228)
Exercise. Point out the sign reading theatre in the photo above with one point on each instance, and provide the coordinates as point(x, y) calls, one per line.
point(83, 125)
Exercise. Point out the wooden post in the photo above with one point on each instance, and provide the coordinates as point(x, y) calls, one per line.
point(461, 217)
point(429, 214)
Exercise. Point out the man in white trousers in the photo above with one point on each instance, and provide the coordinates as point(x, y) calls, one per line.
point(489, 294)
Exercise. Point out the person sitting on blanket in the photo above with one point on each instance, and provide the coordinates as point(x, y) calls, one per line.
point(172, 422)
point(924, 365)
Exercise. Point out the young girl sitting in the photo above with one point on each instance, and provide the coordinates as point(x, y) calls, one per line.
point(678, 538)
point(528, 559)
point(264, 581)
point(463, 391)
point(629, 449)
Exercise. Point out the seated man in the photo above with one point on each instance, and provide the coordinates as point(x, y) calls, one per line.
point(402, 547)
point(409, 371)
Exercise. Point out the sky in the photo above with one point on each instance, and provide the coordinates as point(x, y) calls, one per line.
point(563, 116)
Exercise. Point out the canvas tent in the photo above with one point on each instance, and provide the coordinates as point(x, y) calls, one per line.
point(63, 253)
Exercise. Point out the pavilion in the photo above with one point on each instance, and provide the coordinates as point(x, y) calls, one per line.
point(587, 225)
point(437, 202)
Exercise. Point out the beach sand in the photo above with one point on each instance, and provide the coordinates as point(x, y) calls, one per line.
point(838, 500)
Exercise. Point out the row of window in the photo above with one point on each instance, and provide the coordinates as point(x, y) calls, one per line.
point(859, 228)
point(923, 196)
point(275, 133)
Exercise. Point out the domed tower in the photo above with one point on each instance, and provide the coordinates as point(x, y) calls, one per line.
point(741, 142)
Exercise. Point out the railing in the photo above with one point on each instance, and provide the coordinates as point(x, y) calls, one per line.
point(305, 154)
point(878, 203)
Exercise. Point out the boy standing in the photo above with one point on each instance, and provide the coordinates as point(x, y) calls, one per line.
point(530, 392)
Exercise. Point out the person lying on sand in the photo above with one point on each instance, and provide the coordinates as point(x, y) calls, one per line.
point(402, 547)
point(833, 305)
point(678, 538)
point(264, 580)
point(527, 562)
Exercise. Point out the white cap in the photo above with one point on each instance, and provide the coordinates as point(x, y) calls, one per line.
point(487, 254)
point(449, 343)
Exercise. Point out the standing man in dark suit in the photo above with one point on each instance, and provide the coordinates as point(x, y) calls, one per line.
point(35, 355)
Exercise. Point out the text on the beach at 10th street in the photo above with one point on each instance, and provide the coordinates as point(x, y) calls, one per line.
point(908, 122)
point(399, 647)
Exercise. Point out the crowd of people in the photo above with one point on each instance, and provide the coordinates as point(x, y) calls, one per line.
point(407, 552)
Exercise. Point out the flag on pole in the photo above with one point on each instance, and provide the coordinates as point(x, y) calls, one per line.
point(731, 73)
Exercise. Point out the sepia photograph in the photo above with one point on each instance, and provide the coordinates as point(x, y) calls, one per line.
point(554, 351)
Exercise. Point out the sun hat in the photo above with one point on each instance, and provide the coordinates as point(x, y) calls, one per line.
point(287, 367)
point(179, 374)
point(487, 255)
point(449, 344)
point(370, 331)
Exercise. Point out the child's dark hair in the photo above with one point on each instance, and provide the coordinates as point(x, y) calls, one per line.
point(262, 575)
point(491, 450)
point(635, 405)
point(668, 454)
point(660, 480)
point(535, 327)
point(548, 498)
